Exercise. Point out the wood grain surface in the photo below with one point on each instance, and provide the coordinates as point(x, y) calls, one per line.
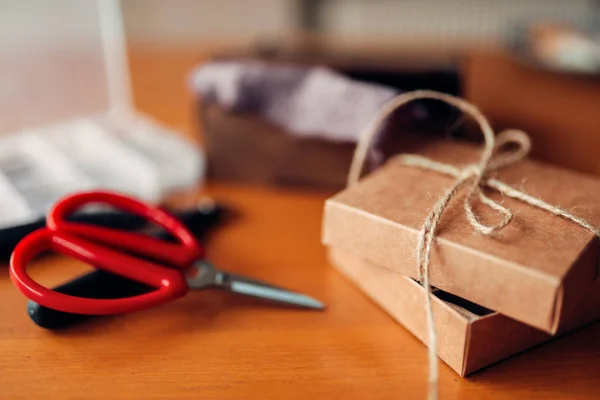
point(212, 345)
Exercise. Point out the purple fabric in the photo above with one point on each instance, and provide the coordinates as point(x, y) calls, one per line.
point(310, 102)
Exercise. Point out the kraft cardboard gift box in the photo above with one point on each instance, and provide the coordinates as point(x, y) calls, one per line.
point(470, 337)
point(536, 270)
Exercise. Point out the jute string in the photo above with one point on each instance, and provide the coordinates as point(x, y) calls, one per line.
point(495, 154)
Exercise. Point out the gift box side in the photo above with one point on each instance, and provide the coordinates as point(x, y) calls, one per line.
point(585, 311)
point(481, 354)
point(402, 298)
point(472, 339)
point(579, 279)
point(514, 337)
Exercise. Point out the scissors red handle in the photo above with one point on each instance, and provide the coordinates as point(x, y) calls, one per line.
point(110, 250)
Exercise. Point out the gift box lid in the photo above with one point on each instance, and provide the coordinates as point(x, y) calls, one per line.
point(535, 270)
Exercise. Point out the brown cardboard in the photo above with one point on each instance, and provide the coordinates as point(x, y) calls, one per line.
point(535, 270)
point(242, 147)
point(468, 340)
point(246, 148)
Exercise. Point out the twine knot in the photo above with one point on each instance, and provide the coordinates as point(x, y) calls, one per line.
point(499, 152)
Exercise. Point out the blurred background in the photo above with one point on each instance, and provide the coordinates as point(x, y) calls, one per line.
point(276, 92)
point(457, 23)
point(528, 64)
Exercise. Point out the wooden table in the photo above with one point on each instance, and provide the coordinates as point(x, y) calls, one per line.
point(212, 345)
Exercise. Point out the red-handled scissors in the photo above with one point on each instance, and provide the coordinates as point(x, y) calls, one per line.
point(175, 267)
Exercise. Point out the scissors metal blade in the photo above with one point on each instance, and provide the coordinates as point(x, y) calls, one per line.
point(263, 291)
point(208, 276)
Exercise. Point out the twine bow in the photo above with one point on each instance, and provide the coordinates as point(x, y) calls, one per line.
point(495, 155)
